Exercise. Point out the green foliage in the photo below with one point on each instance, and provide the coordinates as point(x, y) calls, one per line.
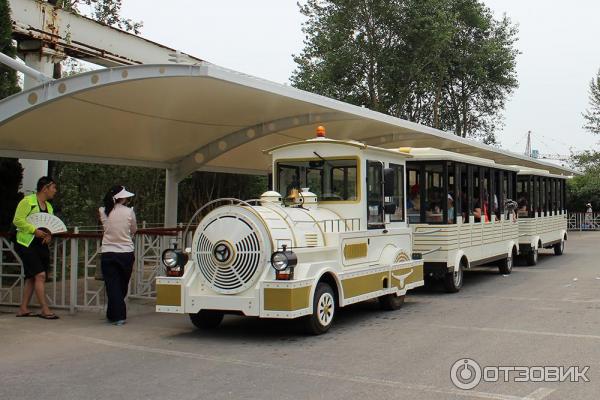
point(443, 63)
point(592, 115)
point(201, 187)
point(11, 172)
point(8, 77)
point(585, 188)
point(11, 176)
point(105, 11)
point(81, 188)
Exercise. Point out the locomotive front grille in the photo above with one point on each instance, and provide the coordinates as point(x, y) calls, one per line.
point(228, 253)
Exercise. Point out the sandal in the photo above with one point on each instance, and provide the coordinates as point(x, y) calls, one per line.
point(27, 314)
point(48, 316)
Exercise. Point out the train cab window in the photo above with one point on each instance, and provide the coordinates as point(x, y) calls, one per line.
point(375, 203)
point(398, 198)
point(413, 194)
point(330, 180)
point(435, 195)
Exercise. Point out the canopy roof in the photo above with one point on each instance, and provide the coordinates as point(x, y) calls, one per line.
point(198, 117)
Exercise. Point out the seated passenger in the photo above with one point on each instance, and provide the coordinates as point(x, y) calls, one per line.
point(523, 210)
point(434, 213)
point(478, 210)
point(450, 209)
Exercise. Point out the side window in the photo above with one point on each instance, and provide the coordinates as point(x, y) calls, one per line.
point(413, 194)
point(435, 198)
point(375, 216)
point(398, 198)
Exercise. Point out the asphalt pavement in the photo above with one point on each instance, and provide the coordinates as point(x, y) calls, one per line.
point(542, 316)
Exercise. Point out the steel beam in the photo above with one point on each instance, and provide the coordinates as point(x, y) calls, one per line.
point(86, 39)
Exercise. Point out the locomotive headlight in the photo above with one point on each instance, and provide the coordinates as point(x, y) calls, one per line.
point(282, 260)
point(174, 260)
point(170, 258)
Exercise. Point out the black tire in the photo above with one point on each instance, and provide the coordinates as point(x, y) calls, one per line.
point(532, 257)
point(507, 264)
point(559, 248)
point(391, 302)
point(207, 319)
point(453, 281)
point(324, 310)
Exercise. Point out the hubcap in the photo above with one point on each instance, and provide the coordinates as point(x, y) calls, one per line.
point(457, 276)
point(325, 309)
point(509, 263)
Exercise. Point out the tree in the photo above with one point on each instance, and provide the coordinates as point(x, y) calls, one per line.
point(8, 77)
point(585, 188)
point(201, 187)
point(11, 172)
point(106, 11)
point(592, 115)
point(444, 63)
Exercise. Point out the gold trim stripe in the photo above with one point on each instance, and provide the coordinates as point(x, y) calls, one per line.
point(168, 295)
point(286, 299)
point(364, 284)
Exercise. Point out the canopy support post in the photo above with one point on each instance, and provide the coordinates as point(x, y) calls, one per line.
point(171, 197)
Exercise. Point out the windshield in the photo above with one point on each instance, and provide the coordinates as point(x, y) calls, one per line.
point(330, 180)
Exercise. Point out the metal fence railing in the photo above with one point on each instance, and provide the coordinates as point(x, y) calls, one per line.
point(75, 280)
point(584, 222)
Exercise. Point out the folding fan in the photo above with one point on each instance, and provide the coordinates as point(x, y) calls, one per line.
point(48, 222)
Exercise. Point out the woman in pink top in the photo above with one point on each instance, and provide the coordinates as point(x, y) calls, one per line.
point(117, 259)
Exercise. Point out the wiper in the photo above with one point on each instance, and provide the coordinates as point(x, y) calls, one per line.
point(322, 159)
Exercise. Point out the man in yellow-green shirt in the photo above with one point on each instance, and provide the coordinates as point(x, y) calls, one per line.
point(32, 247)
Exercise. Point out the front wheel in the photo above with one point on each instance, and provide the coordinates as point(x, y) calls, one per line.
point(323, 310)
point(559, 248)
point(506, 266)
point(391, 302)
point(207, 319)
point(453, 280)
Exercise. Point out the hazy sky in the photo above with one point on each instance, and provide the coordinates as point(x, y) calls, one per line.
point(558, 41)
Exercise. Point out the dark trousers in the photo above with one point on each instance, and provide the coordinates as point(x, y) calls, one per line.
point(116, 268)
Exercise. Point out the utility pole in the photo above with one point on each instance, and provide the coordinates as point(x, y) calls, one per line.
point(528, 147)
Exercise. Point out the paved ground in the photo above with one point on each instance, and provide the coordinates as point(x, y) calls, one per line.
point(544, 315)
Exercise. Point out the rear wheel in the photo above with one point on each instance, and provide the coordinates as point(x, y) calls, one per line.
point(391, 302)
point(453, 280)
point(559, 248)
point(506, 266)
point(532, 257)
point(323, 310)
point(207, 319)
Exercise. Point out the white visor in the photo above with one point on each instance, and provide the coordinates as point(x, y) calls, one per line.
point(123, 194)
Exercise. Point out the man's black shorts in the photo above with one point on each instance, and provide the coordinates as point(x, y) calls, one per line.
point(36, 258)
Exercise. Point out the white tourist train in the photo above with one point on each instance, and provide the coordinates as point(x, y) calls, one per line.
point(541, 198)
point(333, 232)
point(337, 229)
point(461, 213)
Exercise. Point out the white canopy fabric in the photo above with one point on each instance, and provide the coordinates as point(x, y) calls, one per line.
point(185, 118)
